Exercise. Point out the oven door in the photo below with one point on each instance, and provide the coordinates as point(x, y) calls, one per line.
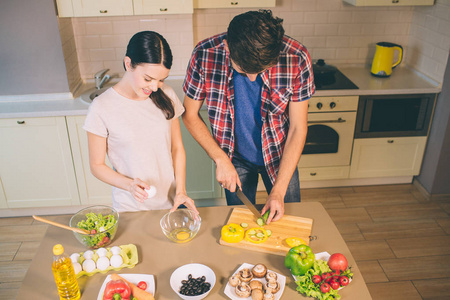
point(330, 139)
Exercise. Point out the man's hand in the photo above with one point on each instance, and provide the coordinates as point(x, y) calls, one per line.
point(226, 175)
point(275, 202)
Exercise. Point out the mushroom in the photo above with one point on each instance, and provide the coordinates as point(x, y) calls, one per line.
point(259, 270)
point(234, 280)
point(246, 275)
point(272, 286)
point(271, 276)
point(257, 294)
point(255, 284)
point(268, 296)
point(243, 290)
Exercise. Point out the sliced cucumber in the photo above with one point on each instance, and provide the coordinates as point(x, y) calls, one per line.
point(252, 232)
point(269, 232)
point(244, 225)
point(260, 222)
point(266, 216)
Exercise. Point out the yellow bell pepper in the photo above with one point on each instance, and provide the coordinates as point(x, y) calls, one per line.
point(294, 241)
point(256, 235)
point(232, 233)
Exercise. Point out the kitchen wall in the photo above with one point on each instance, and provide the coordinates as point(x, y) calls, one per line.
point(31, 58)
point(429, 41)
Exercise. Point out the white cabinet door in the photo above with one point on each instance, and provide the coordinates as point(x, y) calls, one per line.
point(65, 8)
point(92, 190)
point(389, 2)
point(233, 3)
point(387, 157)
point(158, 7)
point(36, 168)
point(92, 8)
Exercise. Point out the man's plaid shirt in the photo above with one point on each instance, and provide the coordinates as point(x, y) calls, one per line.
point(210, 77)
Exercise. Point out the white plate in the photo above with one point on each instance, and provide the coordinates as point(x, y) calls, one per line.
point(230, 291)
point(132, 278)
point(324, 256)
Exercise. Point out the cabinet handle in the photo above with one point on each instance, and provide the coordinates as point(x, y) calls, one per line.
point(104, 11)
point(20, 122)
point(163, 9)
point(395, 1)
point(234, 3)
point(313, 174)
point(390, 141)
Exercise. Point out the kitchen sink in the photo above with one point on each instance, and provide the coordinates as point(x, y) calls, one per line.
point(90, 94)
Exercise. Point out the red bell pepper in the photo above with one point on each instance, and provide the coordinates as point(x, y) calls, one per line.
point(117, 290)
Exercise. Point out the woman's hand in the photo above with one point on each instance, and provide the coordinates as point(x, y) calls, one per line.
point(182, 198)
point(137, 190)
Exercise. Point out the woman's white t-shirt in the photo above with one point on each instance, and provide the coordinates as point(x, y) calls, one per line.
point(138, 138)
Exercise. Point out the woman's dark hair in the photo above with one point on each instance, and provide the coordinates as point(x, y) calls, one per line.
point(151, 47)
point(255, 40)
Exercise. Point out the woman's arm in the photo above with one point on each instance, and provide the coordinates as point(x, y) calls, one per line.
point(179, 166)
point(97, 156)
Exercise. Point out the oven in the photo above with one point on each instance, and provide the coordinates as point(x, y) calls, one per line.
point(331, 125)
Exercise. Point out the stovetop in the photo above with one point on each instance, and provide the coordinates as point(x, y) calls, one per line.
point(338, 82)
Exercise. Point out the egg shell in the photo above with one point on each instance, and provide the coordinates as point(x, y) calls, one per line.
point(115, 250)
point(116, 260)
point(88, 254)
point(102, 263)
point(151, 192)
point(74, 257)
point(89, 265)
point(101, 252)
point(77, 268)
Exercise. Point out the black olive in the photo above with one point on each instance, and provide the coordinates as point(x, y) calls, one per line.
point(189, 276)
point(203, 278)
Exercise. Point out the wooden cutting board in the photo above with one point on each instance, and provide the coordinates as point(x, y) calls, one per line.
point(287, 226)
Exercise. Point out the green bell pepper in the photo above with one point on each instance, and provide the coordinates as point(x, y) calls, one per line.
point(299, 259)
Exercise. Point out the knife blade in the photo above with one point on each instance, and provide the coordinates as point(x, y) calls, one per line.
point(247, 203)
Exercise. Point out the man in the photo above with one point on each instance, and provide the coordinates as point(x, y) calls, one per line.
point(256, 82)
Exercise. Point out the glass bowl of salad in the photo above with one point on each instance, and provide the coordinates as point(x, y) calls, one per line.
point(100, 220)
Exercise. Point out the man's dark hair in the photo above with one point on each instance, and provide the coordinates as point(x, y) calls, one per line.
point(254, 40)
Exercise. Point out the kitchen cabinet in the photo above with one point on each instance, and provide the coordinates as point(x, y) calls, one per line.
point(387, 157)
point(158, 7)
point(389, 2)
point(233, 3)
point(36, 168)
point(94, 8)
point(92, 190)
point(201, 180)
point(323, 173)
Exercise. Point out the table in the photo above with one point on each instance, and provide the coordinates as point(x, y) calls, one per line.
point(160, 257)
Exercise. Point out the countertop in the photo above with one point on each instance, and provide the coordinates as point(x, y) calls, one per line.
point(160, 257)
point(402, 81)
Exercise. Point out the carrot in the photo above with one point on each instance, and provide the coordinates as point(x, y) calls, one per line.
point(135, 291)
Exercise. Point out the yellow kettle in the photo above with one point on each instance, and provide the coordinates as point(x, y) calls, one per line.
point(383, 64)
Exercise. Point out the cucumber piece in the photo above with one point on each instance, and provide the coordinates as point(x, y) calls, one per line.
point(244, 225)
point(252, 232)
point(260, 235)
point(260, 222)
point(266, 216)
point(269, 232)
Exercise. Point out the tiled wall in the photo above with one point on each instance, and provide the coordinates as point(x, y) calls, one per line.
point(101, 42)
point(330, 29)
point(430, 39)
point(70, 53)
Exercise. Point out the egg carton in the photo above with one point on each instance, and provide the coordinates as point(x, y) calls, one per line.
point(128, 253)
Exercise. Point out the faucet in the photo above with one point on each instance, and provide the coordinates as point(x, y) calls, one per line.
point(100, 78)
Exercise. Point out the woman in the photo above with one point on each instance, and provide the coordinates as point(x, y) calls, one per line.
point(136, 123)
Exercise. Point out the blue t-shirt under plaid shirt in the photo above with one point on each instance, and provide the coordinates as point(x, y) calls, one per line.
point(247, 110)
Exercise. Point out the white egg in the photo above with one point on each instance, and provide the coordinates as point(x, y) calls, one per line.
point(89, 265)
point(74, 257)
point(77, 268)
point(115, 250)
point(101, 252)
point(116, 261)
point(88, 254)
point(151, 192)
point(102, 263)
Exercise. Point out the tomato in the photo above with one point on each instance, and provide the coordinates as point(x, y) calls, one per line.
point(344, 281)
point(142, 285)
point(334, 284)
point(337, 261)
point(325, 288)
point(316, 279)
point(326, 277)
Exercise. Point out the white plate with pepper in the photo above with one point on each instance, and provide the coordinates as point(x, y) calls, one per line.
point(255, 282)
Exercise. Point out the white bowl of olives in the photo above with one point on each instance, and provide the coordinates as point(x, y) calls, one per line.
point(193, 281)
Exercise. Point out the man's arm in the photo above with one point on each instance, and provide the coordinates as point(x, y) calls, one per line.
point(298, 118)
point(226, 174)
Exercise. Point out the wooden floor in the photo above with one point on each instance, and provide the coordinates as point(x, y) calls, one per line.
point(400, 240)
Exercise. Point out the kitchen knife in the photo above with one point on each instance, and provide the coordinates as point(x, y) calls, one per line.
point(247, 203)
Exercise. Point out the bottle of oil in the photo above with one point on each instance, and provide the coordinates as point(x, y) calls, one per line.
point(65, 278)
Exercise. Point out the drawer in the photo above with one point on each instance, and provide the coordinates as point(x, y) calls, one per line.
point(323, 173)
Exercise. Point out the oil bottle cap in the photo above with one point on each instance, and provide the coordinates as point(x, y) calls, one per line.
point(58, 249)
